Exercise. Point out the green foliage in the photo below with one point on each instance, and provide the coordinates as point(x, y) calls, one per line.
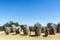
point(42, 28)
point(21, 26)
point(1, 28)
point(31, 28)
point(49, 25)
point(58, 28)
point(58, 25)
point(8, 24)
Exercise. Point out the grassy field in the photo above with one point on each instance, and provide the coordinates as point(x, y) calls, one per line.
point(13, 36)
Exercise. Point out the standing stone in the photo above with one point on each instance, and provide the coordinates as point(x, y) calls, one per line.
point(46, 32)
point(18, 30)
point(52, 28)
point(13, 28)
point(37, 28)
point(7, 30)
point(25, 30)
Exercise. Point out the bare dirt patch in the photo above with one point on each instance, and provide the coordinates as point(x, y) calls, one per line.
point(13, 36)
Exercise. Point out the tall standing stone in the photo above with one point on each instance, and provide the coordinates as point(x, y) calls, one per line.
point(52, 28)
point(37, 28)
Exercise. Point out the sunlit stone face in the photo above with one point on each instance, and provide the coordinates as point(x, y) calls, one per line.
point(37, 28)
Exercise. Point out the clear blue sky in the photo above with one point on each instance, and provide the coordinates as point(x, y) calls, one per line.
point(30, 11)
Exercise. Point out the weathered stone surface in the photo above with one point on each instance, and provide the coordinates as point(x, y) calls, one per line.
point(18, 30)
point(25, 31)
point(46, 32)
point(13, 28)
point(7, 30)
point(37, 28)
point(52, 28)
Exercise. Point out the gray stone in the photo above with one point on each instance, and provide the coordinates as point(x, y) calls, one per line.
point(13, 28)
point(7, 30)
point(18, 30)
point(46, 32)
point(52, 29)
point(37, 29)
point(25, 31)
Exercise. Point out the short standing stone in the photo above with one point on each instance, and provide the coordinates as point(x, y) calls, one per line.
point(18, 30)
point(13, 28)
point(7, 30)
point(46, 32)
point(25, 31)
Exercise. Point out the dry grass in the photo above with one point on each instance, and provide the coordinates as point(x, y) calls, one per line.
point(12, 36)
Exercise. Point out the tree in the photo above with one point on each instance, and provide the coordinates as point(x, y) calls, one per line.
point(49, 25)
point(1, 28)
point(31, 28)
point(8, 24)
point(58, 25)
